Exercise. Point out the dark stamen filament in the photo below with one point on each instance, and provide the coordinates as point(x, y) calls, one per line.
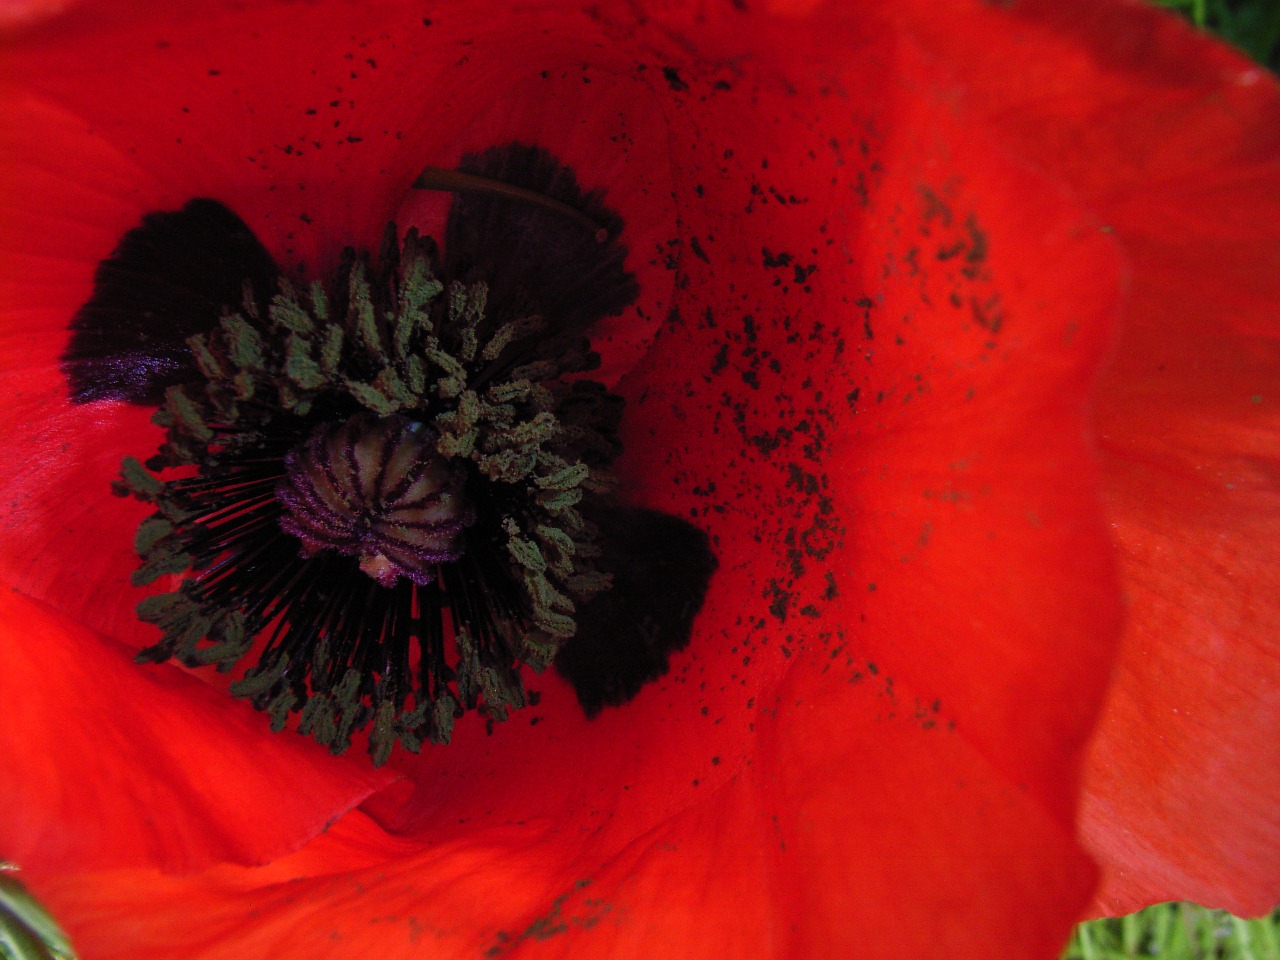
point(456, 181)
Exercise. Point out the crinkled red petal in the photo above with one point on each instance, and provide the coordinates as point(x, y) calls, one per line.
point(1174, 140)
point(900, 409)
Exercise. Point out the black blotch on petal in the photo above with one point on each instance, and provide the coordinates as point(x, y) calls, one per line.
point(537, 260)
point(166, 280)
point(661, 569)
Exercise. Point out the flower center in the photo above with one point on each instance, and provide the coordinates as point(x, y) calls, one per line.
point(381, 425)
point(375, 488)
point(383, 495)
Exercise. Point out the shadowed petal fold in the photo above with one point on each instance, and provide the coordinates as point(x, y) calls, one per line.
point(108, 764)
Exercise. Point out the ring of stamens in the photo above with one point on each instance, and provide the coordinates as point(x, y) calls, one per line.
point(375, 489)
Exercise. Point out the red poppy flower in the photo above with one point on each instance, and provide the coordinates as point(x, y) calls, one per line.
point(876, 276)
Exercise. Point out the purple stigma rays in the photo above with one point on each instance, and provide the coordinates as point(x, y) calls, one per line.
point(375, 488)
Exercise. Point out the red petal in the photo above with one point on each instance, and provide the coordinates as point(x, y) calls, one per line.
point(942, 560)
point(1184, 784)
point(489, 895)
point(1174, 140)
point(18, 15)
point(109, 763)
point(693, 888)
